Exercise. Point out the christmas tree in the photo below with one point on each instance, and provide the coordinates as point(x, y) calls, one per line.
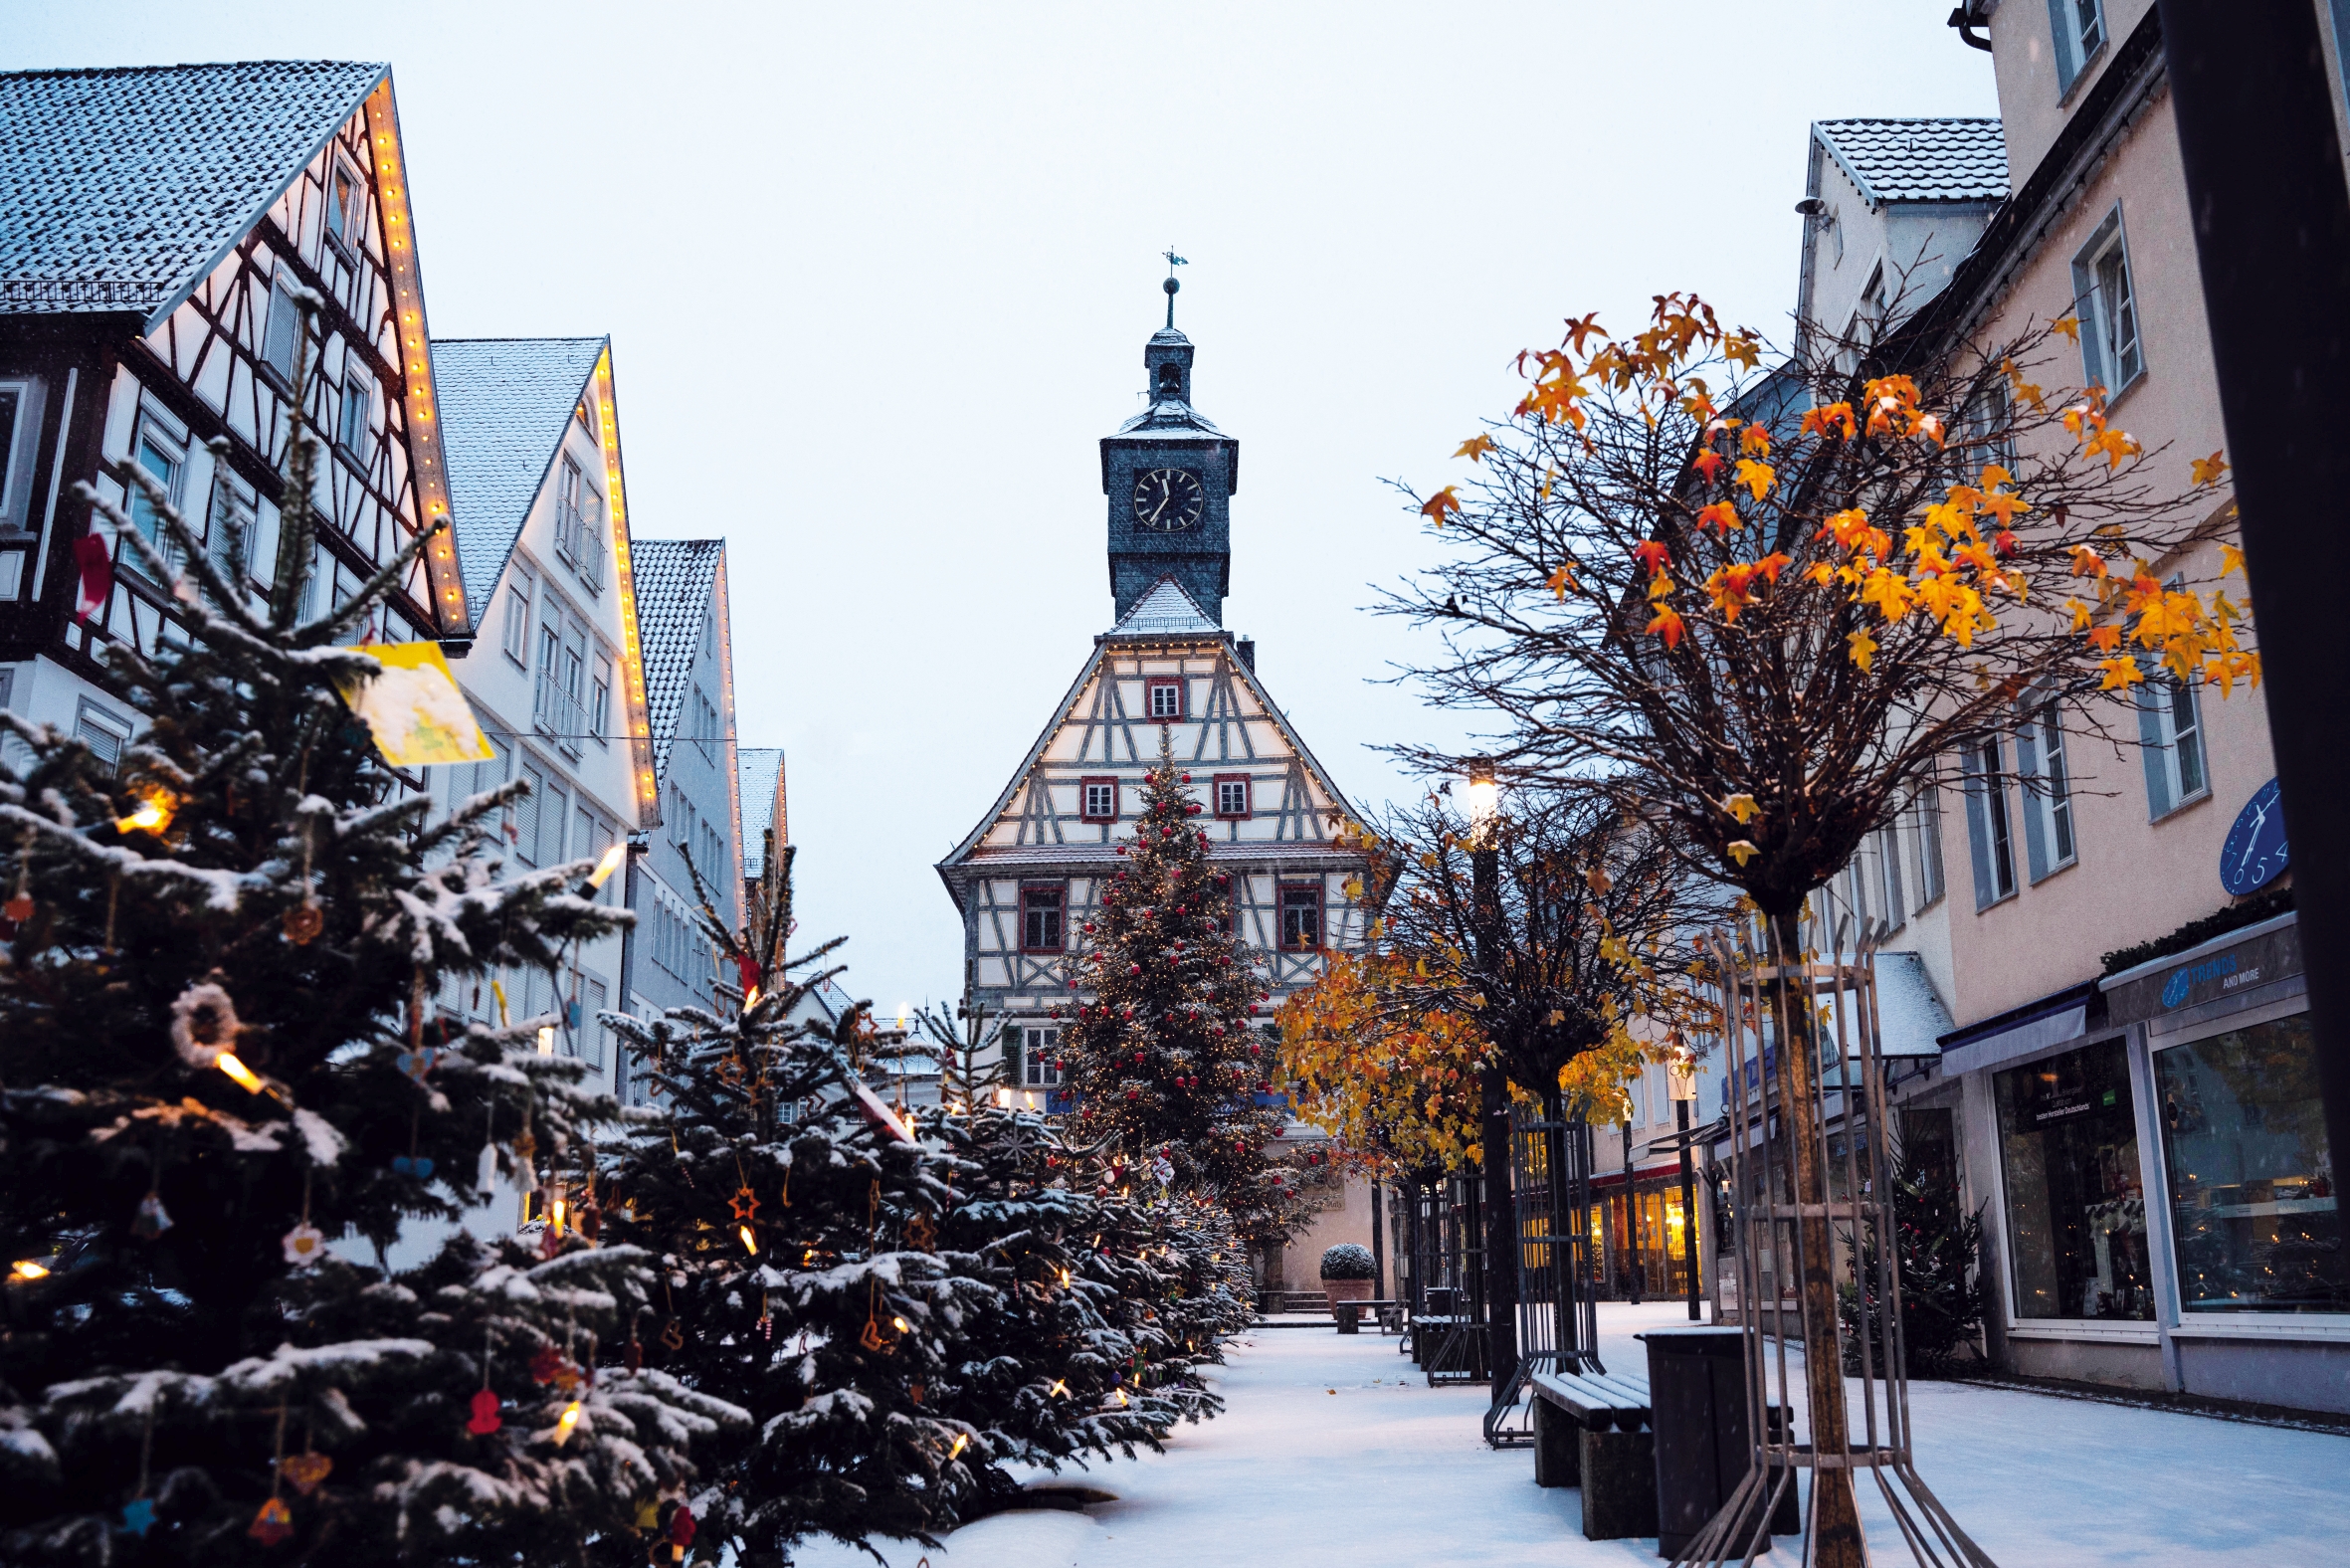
point(1937, 1254)
point(218, 1062)
point(1160, 1054)
point(1047, 1368)
point(797, 1221)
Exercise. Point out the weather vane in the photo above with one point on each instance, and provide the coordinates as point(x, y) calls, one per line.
point(1173, 262)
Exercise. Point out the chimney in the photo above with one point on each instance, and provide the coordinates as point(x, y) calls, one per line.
point(1246, 649)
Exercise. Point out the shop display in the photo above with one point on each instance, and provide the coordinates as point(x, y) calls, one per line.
point(2075, 1201)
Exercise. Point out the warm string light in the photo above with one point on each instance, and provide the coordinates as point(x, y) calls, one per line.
point(28, 1269)
point(244, 1075)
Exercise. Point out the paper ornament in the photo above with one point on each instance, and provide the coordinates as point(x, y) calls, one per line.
point(416, 1063)
point(485, 1418)
point(96, 569)
point(672, 1334)
point(305, 1244)
point(306, 1470)
point(151, 1221)
point(138, 1518)
point(413, 707)
point(19, 909)
point(203, 1025)
point(417, 1165)
point(272, 1524)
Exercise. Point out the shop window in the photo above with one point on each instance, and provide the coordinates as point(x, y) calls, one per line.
point(2075, 1206)
point(1039, 1067)
point(2253, 1215)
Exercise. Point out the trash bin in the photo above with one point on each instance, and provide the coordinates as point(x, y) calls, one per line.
point(1698, 1405)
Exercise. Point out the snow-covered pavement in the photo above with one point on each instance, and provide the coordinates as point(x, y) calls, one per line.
point(1334, 1450)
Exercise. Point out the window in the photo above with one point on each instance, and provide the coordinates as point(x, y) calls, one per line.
point(527, 812)
point(2170, 741)
point(19, 433)
point(1990, 834)
point(1926, 823)
point(1232, 794)
point(2111, 355)
point(2076, 1212)
point(341, 199)
point(281, 331)
point(2253, 1215)
point(161, 457)
point(104, 734)
point(2079, 28)
point(351, 434)
point(1301, 917)
point(1039, 1067)
point(1166, 698)
point(1889, 860)
point(600, 702)
point(229, 533)
point(546, 695)
point(590, 559)
point(1867, 325)
point(595, 1035)
point(2048, 791)
point(520, 589)
point(570, 482)
point(1040, 919)
point(1098, 800)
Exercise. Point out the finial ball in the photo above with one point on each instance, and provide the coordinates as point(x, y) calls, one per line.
point(1171, 286)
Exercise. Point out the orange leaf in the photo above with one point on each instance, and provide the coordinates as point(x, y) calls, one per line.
point(1708, 463)
point(2121, 674)
point(1862, 646)
point(1652, 554)
point(1667, 624)
point(2230, 560)
point(2070, 326)
point(2206, 471)
point(1474, 448)
point(1755, 438)
point(2104, 639)
point(1561, 581)
point(1756, 476)
point(1720, 516)
point(1435, 507)
point(2086, 563)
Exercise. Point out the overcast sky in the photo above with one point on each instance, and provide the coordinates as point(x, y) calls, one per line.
point(877, 280)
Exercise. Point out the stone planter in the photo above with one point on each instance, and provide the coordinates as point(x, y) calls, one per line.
point(1346, 1291)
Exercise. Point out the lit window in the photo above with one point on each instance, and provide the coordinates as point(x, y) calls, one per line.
point(1232, 794)
point(1039, 1067)
point(1166, 698)
point(1100, 800)
point(1040, 919)
point(1301, 917)
point(2111, 355)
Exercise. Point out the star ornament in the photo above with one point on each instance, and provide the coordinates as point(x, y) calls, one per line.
point(745, 1204)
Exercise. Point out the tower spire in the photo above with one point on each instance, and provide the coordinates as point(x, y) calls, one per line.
point(1172, 284)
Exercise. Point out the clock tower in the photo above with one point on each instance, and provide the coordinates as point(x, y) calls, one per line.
point(1169, 475)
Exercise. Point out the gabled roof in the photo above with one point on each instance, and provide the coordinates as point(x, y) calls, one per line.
point(1165, 611)
point(676, 580)
point(122, 188)
point(505, 405)
point(1923, 161)
point(1171, 418)
point(759, 774)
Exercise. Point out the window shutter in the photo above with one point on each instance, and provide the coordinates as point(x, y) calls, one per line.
point(1971, 785)
point(2152, 749)
point(2035, 845)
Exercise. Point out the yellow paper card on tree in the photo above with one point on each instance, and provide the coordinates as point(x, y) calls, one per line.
point(414, 709)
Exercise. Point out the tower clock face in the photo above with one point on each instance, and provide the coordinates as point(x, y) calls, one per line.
point(1169, 500)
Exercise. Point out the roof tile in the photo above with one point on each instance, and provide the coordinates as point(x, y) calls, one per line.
point(676, 579)
point(1920, 159)
point(504, 405)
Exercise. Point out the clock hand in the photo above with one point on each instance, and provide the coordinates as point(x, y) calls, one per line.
point(2252, 838)
point(1161, 506)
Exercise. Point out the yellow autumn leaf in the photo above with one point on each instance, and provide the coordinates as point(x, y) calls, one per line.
point(1743, 850)
point(2230, 560)
point(1862, 646)
point(2070, 326)
point(2206, 471)
point(1742, 806)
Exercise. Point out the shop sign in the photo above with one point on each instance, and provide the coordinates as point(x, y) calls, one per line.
point(2257, 961)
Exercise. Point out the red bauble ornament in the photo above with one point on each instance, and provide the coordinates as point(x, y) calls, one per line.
point(1134, 1093)
point(682, 1526)
point(1187, 778)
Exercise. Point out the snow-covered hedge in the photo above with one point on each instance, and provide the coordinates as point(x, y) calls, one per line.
point(1348, 1261)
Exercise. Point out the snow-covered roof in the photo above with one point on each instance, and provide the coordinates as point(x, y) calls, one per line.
point(1165, 611)
point(505, 405)
point(1169, 417)
point(676, 579)
point(758, 771)
point(1954, 160)
point(122, 188)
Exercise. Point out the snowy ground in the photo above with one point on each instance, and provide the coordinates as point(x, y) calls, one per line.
point(1334, 1450)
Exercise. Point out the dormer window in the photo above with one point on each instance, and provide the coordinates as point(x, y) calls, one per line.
point(1166, 698)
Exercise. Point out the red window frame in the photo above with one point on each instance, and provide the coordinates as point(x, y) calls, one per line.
point(1314, 897)
point(1060, 893)
point(1248, 797)
point(1085, 787)
point(1153, 686)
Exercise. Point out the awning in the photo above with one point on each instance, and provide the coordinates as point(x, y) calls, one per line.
point(2054, 1020)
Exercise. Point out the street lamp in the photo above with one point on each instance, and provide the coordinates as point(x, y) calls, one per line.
point(1483, 803)
point(1680, 1076)
point(1485, 867)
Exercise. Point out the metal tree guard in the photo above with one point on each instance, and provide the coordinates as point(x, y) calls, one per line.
point(1557, 1319)
point(1447, 1277)
point(1838, 983)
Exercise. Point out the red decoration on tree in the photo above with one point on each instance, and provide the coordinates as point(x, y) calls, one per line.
point(545, 1363)
point(485, 1418)
point(272, 1524)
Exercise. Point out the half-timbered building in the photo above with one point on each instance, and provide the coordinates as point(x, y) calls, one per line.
point(154, 223)
point(557, 675)
point(1026, 876)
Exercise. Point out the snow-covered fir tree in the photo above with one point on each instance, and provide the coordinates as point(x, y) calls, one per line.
point(213, 977)
point(1158, 1054)
point(796, 1218)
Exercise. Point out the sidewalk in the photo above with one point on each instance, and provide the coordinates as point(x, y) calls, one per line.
point(1334, 1450)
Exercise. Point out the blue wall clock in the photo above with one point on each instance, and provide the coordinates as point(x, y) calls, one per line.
point(2255, 853)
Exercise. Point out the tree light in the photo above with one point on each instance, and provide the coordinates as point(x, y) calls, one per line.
point(154, 814)
point(1003, 1095)
point(961, 1438)
point(565, 1422)
point(547, 1040)
point(750, 1243)
point(613, 859)
point(237, 1070)
point(901, 1325)
point(25, 1268)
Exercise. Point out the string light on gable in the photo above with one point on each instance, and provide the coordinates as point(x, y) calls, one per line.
point(415, 358)
point(632, 656)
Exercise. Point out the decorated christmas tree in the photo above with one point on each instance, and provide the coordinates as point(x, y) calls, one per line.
point(1046, 1368)
point(222, 1085)
point(797, 1222)
point(1159, 1054)
point(1938, 1252)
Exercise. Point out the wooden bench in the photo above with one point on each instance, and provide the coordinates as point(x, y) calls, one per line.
point(1591, 1430)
